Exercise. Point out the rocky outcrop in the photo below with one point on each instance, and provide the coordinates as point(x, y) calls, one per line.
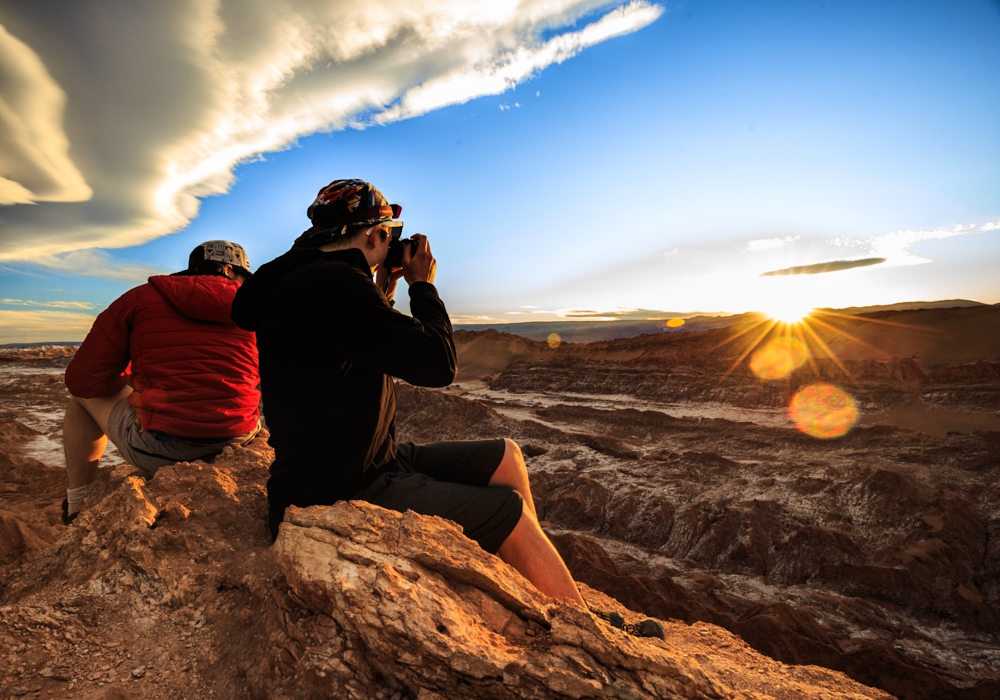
point(169, 588)
point(490, 352)
point(440, 618)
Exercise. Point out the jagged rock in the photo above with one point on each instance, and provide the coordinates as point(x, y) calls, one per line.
point(175, 576)
point(427, 608)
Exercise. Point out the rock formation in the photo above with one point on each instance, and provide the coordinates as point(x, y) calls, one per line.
point(169, 589)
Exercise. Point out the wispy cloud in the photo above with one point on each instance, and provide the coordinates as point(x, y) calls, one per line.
point(82, 305)
point(820, 268)
point(895, 246)
point(94, 262)
point(162, 113)
point(472, 320)
point(496, 72)
point(769, 243)
point(43, 326)
point(34, 149)
point(615, 314)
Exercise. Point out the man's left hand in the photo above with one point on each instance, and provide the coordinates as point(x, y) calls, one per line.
point(394, 276)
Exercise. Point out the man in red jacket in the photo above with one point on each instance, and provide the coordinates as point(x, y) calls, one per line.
point(164, 373)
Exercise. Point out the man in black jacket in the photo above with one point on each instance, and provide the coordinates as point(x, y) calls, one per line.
point(330, 344)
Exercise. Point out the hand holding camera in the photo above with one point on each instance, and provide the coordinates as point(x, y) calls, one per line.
point(418, 263)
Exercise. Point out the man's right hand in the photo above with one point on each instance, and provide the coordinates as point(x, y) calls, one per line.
point(421, 266)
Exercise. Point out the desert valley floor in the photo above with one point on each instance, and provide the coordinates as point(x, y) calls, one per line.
point(667, 473)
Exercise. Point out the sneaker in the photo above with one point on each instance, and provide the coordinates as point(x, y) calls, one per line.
point(66, 517)
point(646, 628)
point(611, 617)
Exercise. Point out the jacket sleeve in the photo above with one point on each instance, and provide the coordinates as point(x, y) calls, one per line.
point(99, 366)
point(418, 349)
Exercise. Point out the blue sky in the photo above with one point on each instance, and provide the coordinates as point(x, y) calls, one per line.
point(663, 168)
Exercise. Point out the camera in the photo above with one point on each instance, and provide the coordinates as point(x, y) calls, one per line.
point(394, 258)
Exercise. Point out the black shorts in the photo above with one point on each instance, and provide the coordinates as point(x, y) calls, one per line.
point(449, 479)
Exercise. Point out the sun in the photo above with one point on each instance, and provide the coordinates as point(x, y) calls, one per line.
point(788, 311)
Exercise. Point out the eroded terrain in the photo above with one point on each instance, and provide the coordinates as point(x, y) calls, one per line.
point(669, 476)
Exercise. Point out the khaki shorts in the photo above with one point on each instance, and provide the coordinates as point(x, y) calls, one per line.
point(150, 451)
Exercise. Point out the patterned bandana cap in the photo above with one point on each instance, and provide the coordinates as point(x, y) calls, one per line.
point(224, 252)
point(343, 203)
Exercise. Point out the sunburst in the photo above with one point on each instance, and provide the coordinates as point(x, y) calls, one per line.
point(786, 337)
point(790, 311)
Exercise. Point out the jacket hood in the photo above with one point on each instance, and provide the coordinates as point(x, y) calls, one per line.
point(199, 297)
point(251, 301)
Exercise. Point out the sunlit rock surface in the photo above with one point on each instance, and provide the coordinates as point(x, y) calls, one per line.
point(169, 589)
point(444, 619)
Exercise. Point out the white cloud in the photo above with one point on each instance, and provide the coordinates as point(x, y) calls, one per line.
point(82, 305)
point(769, 243)
point(165, 99)
point(499, 68)
point(43, 326)
point(93, 262)
point(895, 245)
point(470, 320)
point(532, 311)
point(34, 149)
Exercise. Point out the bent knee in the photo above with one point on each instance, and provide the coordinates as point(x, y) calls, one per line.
point(512, 450)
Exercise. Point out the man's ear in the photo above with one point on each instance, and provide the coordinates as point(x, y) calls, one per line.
point(373, 238)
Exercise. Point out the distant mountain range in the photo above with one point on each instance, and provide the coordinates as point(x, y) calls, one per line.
point(594, 331)
point(41, 345)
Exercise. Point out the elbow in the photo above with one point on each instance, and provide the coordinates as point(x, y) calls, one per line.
point(449, 378)
point(82, 386)
point(73, 382)
point(442, 374)
point(442, 378)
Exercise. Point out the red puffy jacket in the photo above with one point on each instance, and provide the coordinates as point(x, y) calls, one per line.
point(194, 371)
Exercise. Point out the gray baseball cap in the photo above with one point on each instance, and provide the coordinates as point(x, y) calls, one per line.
point(222, 252)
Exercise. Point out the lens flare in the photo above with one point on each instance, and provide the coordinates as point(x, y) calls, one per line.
point(675, 323)
point(823, 411)
point(779, 358)
point(554, 340)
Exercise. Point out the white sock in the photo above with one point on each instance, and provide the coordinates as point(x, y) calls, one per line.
point(74, 497)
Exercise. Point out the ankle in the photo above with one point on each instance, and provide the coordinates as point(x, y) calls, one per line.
point(74, 499)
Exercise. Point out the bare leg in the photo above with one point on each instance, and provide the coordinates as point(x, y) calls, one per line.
point(513, 474)
point(529, 551)
point(83, 443)
point(85, 435)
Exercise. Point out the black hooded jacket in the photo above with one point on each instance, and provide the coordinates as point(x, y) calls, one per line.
point(329, 344)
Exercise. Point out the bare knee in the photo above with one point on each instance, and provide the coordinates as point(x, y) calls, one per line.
point(512, 451)
point(513, 473)
point(95, 410)
point(77, 410)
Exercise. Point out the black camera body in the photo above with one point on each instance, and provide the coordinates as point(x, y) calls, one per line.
point(394, 258)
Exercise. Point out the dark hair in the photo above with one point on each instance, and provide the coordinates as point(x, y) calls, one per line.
point(205, 267)
point(316, 237)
